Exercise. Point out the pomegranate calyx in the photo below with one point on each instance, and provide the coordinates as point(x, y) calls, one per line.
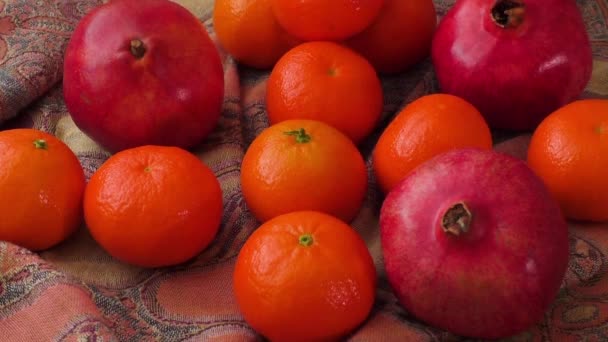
point(138, 49)
point(457, 219)
point(508, 13)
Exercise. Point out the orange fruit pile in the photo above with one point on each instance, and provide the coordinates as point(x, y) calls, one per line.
point(324, 97)
point(400, 37)
point(325, 56)
point(393, 35)
point(249, 31)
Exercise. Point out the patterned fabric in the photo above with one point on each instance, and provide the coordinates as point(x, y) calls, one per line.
point(76, 292)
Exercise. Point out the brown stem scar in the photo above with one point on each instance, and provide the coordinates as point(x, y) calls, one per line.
point(138, 49)
point(457, 219)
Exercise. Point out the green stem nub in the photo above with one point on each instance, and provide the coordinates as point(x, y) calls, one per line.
point(40, 144)
point(138, 49)
point(301, 136)
point(306, 240)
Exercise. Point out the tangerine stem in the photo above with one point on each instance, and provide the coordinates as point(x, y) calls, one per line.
point(301, 136)
point(305, 240)
point(40, 144)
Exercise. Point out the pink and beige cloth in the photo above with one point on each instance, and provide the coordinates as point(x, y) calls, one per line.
point(76, 292)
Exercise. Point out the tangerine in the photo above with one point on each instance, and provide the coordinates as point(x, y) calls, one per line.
point(41, 189)
point(426, 127)
point(248, 30)
point(569, 151)
point(304, 276)
point(327, 82)
point(400, 37)
point(153, 206)
point(325, 20)
point(303, 165)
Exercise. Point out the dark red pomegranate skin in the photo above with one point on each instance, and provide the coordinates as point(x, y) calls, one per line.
point(495, 279)
point(143, 73)
point(518, 74)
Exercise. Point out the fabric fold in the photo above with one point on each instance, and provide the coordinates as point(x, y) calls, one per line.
point(33, 37)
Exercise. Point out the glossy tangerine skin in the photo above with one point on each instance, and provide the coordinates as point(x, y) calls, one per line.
point(171, 96)
point(280, 175)
point(328, 82)
point(323, 20)
point(291, 292)
point(248, 30)
point(569, 151)
point(514, 76)
point(41, 189)
point(153, 206)
point(400, 36)
point(497, 279)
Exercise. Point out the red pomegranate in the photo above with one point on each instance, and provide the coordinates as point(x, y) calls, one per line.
point(143, 73)
point(474, 244)
point(514, 60)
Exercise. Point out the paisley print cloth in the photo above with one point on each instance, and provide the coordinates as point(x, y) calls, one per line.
point(76, 292)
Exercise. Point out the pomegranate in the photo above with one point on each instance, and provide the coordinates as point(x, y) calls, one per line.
point(474, 244)
point(515, 60)
point(143, 73)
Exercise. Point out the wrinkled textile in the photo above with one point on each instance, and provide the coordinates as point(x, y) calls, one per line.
point(76, 292)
